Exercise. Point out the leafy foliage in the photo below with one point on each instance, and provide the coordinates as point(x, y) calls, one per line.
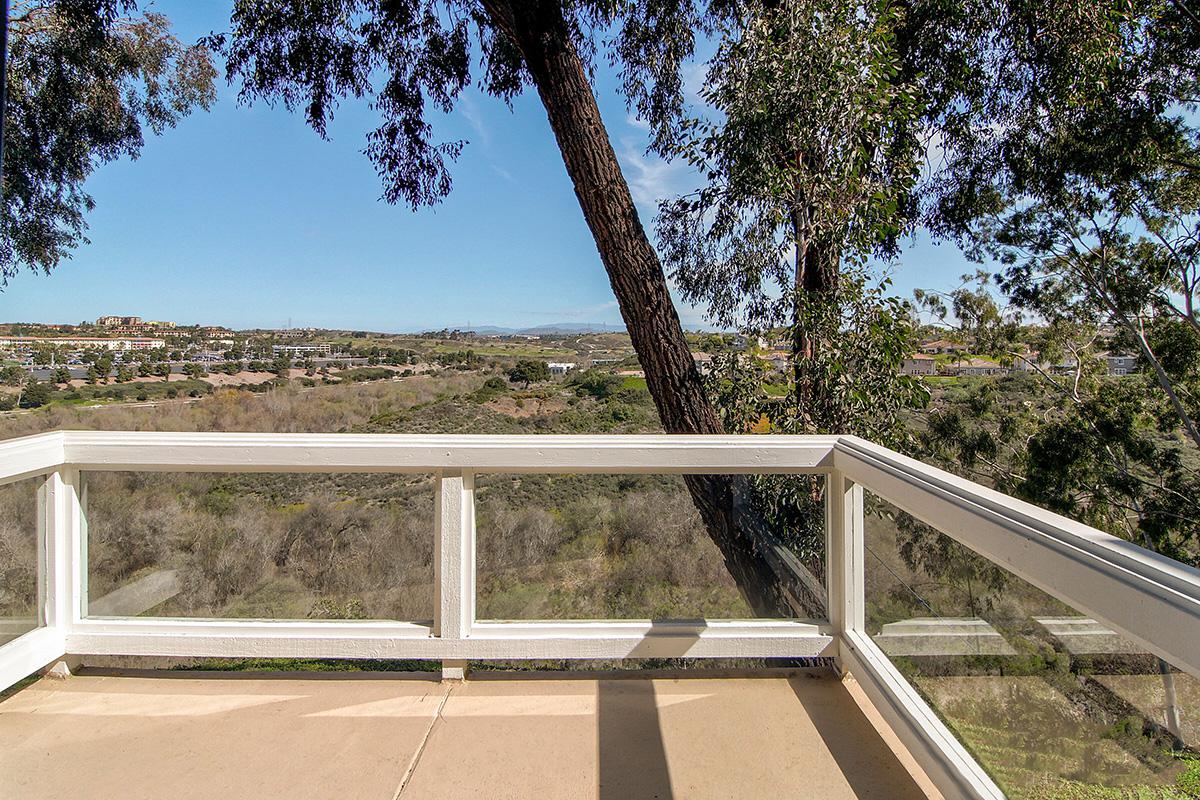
point(412, 59)
point(856, 386)
point(527, 371)
point(810, 158)
point(84, 81)
point(859, 388)
point(1032, 96)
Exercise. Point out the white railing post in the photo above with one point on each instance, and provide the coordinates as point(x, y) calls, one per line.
point(454, 561)
point(844, 555)
point(61, 530)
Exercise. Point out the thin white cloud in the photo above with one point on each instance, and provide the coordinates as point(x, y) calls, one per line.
point(695, 75)
point(637, 123)
point(474, 117)
point(650, 178)
point(473, 114)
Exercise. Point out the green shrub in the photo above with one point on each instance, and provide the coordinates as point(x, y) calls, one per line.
point(360, 374)
point(597, 384)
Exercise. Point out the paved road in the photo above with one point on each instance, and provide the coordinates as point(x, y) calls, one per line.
point(77, 371)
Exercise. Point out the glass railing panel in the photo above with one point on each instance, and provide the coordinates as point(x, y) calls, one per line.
point(262, 546)
point(1050, 702)
point(19, 557)
point(607, 546)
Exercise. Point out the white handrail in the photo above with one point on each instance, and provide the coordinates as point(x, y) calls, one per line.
point(321, 452)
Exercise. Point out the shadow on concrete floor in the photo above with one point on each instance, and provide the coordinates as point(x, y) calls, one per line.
point(632, 759)
point(869, 765)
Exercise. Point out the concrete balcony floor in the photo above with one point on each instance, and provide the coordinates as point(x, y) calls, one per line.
point(144, 734)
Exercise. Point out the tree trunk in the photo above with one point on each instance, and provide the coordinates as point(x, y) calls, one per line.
point(815, 276)
point(539, 31)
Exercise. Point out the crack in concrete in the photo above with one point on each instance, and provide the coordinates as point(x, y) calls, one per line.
point(412, 765)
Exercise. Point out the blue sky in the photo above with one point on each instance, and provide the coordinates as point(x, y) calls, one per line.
point(244, 217)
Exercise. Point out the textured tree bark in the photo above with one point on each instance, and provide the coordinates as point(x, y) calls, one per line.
point(539, 30)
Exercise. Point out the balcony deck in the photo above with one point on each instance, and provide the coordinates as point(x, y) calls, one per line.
point(147, 734)
point(521, 735)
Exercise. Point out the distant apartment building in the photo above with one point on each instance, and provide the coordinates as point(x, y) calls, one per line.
point(132, 331)
point(214, 331)
point(26, 344)
point(1115, 363)
point(132, 326)
point(919, 364)
point(560, 368)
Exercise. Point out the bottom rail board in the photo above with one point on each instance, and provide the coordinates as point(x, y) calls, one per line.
point(497, 641)
point(940, 754)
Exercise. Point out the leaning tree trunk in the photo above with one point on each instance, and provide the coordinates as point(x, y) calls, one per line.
point(539, 31)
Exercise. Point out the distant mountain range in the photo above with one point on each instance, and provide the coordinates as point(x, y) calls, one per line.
point(557, 329)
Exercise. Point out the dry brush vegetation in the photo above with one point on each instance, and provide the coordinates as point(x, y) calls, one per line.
point(360, 546)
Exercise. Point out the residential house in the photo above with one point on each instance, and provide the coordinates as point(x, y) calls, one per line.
point(976, 366)
point(779, 359)
point(1120, 363)
point(939, 347)
point(919, 364)
point(741, 342)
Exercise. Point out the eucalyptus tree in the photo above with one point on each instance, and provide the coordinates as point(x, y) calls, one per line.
point(1071, 155)
point(809, 143)
point(86, 79)
point(413, 59)
point(1114, 451)
point(811, 150)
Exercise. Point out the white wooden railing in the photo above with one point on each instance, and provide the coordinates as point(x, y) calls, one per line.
point(1150, 599)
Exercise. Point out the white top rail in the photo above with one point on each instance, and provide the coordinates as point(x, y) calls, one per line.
point(30, 455)
point(322, 452)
